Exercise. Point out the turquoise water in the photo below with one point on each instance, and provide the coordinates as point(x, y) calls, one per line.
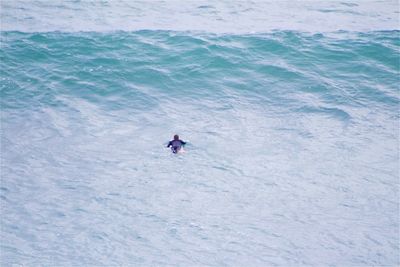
point(292, 155)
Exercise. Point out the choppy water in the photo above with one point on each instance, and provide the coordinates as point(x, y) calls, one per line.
point(293, 154)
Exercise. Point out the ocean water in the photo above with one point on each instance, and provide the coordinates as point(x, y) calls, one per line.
point(290, 111)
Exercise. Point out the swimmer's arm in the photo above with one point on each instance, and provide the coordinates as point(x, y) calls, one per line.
point(183, 143)
point(169, 144)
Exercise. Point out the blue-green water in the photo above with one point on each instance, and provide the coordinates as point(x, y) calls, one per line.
point(292, 155)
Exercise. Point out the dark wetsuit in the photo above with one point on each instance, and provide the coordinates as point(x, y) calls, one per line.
point(176, 145)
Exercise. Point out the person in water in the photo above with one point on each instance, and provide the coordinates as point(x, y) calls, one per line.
point(176, 144)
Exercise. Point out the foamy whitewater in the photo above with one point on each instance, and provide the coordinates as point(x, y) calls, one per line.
point(290, 110)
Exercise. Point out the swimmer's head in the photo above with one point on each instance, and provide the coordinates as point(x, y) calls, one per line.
point(176, 137)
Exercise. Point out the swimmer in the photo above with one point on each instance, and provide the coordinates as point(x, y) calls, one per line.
point(176, 144)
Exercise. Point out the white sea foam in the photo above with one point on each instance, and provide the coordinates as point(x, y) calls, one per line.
point(209, 16)
point(293, 142)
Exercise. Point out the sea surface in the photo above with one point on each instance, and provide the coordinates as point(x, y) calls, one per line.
point(290, 111)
